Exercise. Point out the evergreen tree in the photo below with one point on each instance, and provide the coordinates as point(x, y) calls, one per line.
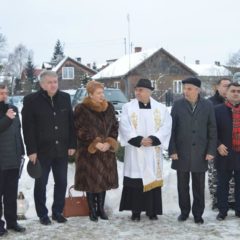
point(58, 53)
point(84, 79)
point(30, 70)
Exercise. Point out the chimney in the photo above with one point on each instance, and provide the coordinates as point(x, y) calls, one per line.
point(197, 62)
point(137, 49)
point(217, 63)
point(79, 59)
point(89, 65)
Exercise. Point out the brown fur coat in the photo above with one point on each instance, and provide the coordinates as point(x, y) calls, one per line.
point(96, 171)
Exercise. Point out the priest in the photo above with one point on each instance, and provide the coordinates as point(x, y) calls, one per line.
point(145, 129)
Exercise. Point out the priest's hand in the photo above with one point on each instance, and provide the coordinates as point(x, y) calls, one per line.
point(222, 149)
point(146, 142)
point(209, 157)
point(174, 156)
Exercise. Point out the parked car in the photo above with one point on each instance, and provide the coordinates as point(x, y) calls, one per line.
point(113, 95)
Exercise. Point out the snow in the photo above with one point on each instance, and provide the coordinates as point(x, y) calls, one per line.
point(209, 70)
point(124, 64)
point(120, 226)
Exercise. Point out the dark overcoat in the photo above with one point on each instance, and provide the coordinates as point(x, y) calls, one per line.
point(194, 135)
point(96, 171)
point(48, 126)
point(224, 130)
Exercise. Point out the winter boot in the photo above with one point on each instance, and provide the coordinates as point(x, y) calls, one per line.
point(100, 206)
point(92, 207)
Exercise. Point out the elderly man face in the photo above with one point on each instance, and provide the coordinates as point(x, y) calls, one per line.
point(191, 92)
point(50, 84)
point(142, 94)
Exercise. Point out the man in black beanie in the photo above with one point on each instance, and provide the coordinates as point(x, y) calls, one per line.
point(192, 145)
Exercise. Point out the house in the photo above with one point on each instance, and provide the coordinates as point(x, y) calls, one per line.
point(71, 73)
point(163, 69)
point(210, 74)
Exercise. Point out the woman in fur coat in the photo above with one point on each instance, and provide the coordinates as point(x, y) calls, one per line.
point(97, 131)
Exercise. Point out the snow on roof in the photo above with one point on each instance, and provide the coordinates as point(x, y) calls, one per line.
point(209, 70)
point(59, 64)
point(124, 64)
point(55, 69)
point(47, 65)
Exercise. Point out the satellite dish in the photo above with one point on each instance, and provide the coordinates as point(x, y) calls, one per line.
point(236, 77)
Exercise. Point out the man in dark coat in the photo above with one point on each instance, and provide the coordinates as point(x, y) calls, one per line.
point(192, 145)
point(49, 136)
point(11, 152)
point(227, 161)
point(218, 98)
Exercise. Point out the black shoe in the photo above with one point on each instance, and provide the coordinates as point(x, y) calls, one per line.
point(59, 218)
point(135, 217)
point(153, 217)
point(182, 218)
point(198, 220)
point(17, 228)
point(237, 214)
point(3, 232)
point(45, 220)
point(221, 216)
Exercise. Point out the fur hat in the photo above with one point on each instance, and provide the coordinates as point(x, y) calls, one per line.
point(192, 80)
point(93, 85)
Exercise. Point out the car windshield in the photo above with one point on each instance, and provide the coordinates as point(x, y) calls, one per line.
point(112, 95)
point(115, 96)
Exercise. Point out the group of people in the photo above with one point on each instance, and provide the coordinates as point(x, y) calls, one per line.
point(195, 134)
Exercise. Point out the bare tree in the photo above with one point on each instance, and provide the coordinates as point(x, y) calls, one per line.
point(17, 60)
point(234, 59)
point(2, 41)
point(2, 47)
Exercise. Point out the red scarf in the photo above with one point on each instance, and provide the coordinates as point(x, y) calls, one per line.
point(236, 126)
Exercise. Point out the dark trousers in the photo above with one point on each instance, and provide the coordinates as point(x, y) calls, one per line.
point(59, 170)
point(224, 177)
point(8, 196)
point(198, 187)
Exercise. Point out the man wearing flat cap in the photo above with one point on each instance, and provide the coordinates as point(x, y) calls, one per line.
point(145, 129)
point(192, 145)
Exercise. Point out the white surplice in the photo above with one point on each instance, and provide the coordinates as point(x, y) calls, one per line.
point(145, 162)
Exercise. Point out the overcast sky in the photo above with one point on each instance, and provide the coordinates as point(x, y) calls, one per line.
point(94, 30)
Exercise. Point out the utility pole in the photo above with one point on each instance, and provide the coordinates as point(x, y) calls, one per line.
point(129, 57)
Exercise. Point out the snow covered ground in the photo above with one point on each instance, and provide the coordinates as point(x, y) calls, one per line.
point(120, 226)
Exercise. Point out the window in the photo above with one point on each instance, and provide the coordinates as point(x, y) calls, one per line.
point(177, 86)
point(154, 84)
point(68, 73)
point(116, 85)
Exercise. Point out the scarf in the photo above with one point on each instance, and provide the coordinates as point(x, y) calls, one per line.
point(236, 126)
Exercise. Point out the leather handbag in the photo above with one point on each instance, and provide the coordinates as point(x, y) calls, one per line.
point(75, 206)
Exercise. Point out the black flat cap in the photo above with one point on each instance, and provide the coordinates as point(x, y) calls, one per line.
point(34, 170)
point(192, 80)
point(144, 83)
